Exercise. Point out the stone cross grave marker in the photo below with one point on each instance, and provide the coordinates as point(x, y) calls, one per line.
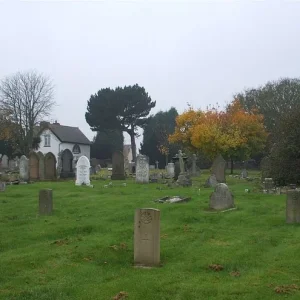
point(45, 202)
point(221, 198)
point(23, 167)
point(83, 171)
point(293, 206)
point(142, 169)
point(218, 168)
point(147, 237)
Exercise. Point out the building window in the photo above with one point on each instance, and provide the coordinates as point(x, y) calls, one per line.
point(47, 140)
point(76, 149)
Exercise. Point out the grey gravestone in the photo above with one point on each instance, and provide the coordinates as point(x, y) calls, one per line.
point(211, 181)
point(221, 198)
point(118, 166)
point(152, 167)
point(24, 169)
point(293, 206)
point(45, 202)
point(170, 170)
point(244, 173)
point(176, 170)
point(142, 169)
point(11, 164)
point(147, 237)
point(156, 163)
point(2, 186)
point(83, 171)
point(183, 177)
point(98, 168)
point(218, 168)
point(194, 165)
point(4, 162)
point(268, 184)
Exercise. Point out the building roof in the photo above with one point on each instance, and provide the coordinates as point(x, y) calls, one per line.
point(69, 134)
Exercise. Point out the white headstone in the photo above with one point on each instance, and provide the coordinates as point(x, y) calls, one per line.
point(142, 169)
point(83, 171)
point(24, 171)
point(171, 170)
point(4, 162)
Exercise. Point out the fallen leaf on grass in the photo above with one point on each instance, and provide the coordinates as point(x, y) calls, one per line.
point(120, 296)
point(87, 258)
point(61, 242)
point(122, 246)
point(286, 289)
point(235, 274)
point(216, 267)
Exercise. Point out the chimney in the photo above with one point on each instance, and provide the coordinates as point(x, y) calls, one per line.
point(44, 124)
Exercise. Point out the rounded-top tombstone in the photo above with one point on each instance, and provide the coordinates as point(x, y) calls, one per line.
point(221, 198)
point(24, 172)
point(83, 171)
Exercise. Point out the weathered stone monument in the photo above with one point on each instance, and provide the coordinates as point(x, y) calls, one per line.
point(218, 168)
point(33, 166)
point(142, 169)
point(41, 165)
point(156, 163)
point(268, 184)
point(221, 198)
point(147, 237)
point(83, 171)
point(2, 186)
point(170, 170)
point(244, 173)
point(4, 162)
point(194, 166)
point(211, 181)
point(293, 206)
point(183, 178)
point(24, 171)
point(50, 166)
point(118, 166)
point(45, 202)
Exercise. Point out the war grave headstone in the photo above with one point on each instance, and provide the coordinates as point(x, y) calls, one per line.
point(147, 237)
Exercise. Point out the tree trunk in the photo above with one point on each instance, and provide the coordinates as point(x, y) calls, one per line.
point(231, 165)
point(133, 145)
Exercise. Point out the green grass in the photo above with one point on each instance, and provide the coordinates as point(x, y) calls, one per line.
point(69, 255)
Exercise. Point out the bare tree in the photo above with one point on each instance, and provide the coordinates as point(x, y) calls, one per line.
point(26, 98)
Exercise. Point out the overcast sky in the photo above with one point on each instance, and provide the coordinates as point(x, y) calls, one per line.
point(201, 52)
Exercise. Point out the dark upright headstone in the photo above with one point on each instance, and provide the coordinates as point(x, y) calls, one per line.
point(218, 168)
point(118, 172)
point(45, 202)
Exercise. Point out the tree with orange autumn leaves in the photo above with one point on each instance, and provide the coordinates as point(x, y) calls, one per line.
point(234, 133)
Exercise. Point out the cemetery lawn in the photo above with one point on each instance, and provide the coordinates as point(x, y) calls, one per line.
point(85, 249)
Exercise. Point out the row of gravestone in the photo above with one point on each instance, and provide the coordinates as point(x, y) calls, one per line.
point(8, 164)
point(37, 166)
